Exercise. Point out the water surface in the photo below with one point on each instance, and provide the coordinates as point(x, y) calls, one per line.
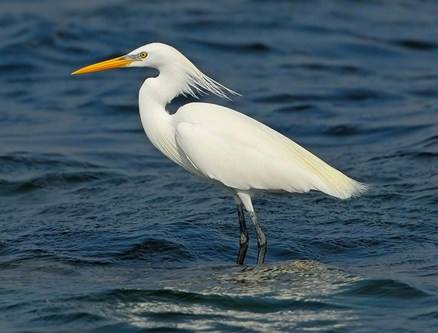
point(100, 233)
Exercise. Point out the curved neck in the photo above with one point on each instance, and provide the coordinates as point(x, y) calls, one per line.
point(160, 90)
point(155, 94)
point(152, 100)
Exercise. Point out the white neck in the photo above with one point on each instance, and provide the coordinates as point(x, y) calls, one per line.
point(175, 78)
point(163, 88)
point(154, 95)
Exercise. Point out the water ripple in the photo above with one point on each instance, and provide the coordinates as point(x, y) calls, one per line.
point(100, 233)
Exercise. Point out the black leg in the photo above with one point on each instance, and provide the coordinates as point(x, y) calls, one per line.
point(261, 239)
point(244, 237)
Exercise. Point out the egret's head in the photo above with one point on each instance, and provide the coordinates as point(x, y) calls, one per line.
point(185, 77)
point(154, 55)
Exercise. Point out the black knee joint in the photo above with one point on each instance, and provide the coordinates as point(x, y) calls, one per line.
point(244, 238)
point(262, 240)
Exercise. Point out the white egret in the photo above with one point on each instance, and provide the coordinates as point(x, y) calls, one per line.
point(220, 144)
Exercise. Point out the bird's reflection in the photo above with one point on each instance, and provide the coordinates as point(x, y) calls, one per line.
point(300, 278)
point(282, 296)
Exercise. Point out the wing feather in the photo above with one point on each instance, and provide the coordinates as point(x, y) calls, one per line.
point(235, 165)
point(244, 153)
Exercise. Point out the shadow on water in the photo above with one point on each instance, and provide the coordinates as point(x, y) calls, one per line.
point(280, 296)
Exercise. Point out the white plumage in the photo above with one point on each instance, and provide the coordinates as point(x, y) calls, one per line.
point(243, 154)
point(220, 144)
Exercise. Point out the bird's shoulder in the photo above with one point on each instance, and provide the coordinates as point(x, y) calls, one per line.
point(223, 121)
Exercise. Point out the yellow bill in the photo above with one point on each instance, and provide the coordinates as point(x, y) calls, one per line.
point(104, 65)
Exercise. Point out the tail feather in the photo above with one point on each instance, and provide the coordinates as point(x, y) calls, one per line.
point(326, 178)
point(345, 187)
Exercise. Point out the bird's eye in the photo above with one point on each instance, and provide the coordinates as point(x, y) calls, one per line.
point(143, 55)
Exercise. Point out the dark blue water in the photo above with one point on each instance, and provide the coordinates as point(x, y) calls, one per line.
point(100, 233)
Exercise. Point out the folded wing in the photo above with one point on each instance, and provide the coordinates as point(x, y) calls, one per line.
point(240, 152)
